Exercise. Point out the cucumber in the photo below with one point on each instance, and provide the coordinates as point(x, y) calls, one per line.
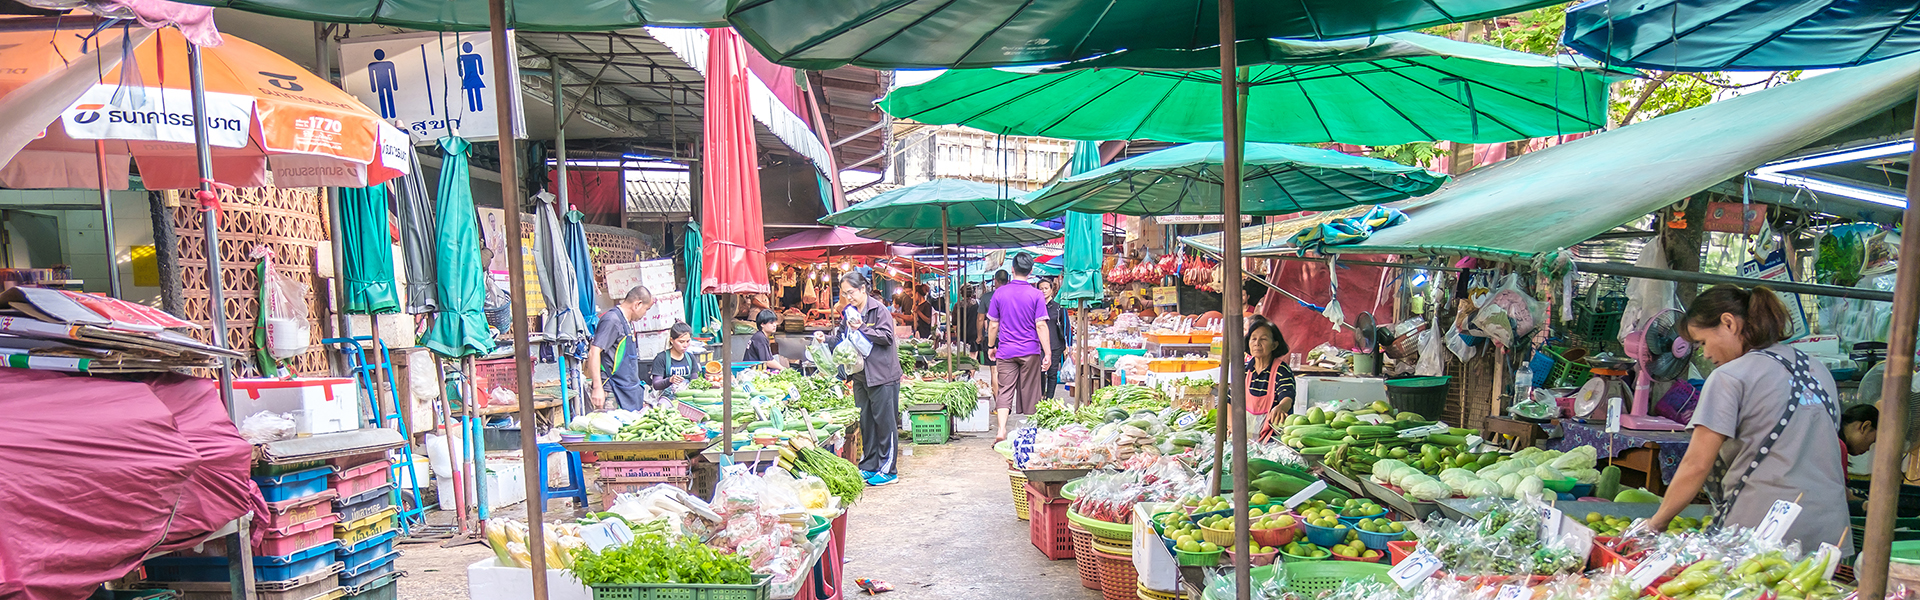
point(1444, 439)
point(1362, 431)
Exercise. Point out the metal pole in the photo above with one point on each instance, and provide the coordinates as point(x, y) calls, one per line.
point(106, 220)
point(950, 283)
point(1233, 375)
point(563, 204)
point(1883, 498)
point(727, 302)
point(506, 98)
point(210, 226)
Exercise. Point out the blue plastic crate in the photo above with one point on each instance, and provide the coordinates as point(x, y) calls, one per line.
point(296, 569)
point(288, 559)
point(295, 485)
point(368, 550)
point(187, 568)
point(369, 571)
point(265, 568)
point(365, 504)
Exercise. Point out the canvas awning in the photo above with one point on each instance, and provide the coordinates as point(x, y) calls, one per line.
point(1543, 201)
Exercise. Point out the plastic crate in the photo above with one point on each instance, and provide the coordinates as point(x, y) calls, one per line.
point(1048, 525)
point(307, 562)
point(353, 532)
point(1020, 508)
point(297, 538)
point(1598, 323)
point(270, 470)
point(496, 373)
point(1904, 529)
point(380, 566)
point(645, 468)
point(360, 479)
point(365, 504)
point(295, 485)
point(287, 514)
point(381, 588)
point(929, 427)
point(1085, 562)
point(1312, 577)
point(367, 551)
point(758, 590)
point(640, 455)
point(1566, 373)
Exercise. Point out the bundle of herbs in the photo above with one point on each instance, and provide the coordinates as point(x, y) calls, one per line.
point(653, 558)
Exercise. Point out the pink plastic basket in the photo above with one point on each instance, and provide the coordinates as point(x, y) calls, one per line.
point(281, 542)
point(643, 468)
point(283, 515)
point(360, 479)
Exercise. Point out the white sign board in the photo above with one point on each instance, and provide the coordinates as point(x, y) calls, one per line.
point(433, 84)
point(112, 112)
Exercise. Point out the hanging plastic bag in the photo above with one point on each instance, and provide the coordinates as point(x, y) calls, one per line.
point(1333, 312)
point(1433, 359)
point(1524, 312)
point(288, 332)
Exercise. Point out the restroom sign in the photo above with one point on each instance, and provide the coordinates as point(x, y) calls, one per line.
point(432, 84)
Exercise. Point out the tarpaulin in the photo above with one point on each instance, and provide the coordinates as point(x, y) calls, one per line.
point(735, 255)
point(1305, 328)
point(100, 473)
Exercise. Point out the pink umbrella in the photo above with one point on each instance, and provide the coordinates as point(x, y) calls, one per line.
point(734, 260)
point(836, 241)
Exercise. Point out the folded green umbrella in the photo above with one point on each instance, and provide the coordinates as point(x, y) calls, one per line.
point(1016, 234)
point(1380, 91)
point(1278, 179)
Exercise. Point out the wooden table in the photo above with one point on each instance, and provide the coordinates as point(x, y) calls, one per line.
point(1523, 434)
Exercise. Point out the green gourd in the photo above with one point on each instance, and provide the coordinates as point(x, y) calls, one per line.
point(1609, 484)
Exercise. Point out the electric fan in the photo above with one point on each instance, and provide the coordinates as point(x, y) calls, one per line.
point(1660, 350)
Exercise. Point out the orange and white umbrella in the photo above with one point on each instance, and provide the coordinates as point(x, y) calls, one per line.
point(265, 116)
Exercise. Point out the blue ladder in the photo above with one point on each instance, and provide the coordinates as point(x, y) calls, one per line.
point(364, 371)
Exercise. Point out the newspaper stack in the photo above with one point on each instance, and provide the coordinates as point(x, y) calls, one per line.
point(56, 330)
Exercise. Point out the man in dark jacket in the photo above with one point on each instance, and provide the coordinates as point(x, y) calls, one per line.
point(1057, 325)
point(868, 324)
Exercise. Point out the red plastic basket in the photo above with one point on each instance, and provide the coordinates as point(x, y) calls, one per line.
point(354, 481)
point(1602, 557)
point(1398, 551)
point(644, 468)
point(282, 542)
point(288, 513)
point(489, 374)
point(1085, 562)
point(1118, 579)
point(1048, 524)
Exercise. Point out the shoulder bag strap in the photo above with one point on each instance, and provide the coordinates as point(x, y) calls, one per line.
point(1806, 390)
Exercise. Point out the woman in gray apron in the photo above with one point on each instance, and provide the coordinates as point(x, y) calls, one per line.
point(1764, 428)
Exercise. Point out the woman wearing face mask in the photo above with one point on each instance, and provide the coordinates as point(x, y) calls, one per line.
point(1765, 425)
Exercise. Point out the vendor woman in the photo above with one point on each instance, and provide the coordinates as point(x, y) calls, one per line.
point(675, 366)
point(1269, 381)
point(1765, 424)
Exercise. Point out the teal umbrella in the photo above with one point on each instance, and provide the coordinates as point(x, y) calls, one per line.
point(460, 328)
point(1278, 179)
point(368, 272)
point(471, 15)
point(1086, 236)
point(1391, 89)
point(1016, 234)
point(1742, 35)
point(937, 204)
point(703, 310)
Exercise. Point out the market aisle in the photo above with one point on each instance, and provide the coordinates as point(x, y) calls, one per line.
point(947, 530)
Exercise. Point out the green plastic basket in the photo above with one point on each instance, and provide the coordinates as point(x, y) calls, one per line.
point(1071, 490)
point(1109, 355)
point(1197, 559)
point(1099, 528)
point(1566, 373)
point(929, 427)
point(1905, 529)
point(758, 590)
point(1309, 578)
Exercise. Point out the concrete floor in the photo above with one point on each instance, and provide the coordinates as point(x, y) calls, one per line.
point(945, 531)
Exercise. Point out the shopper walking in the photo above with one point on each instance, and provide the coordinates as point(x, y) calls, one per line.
point(867, 324)
point(1019, 342)
point(1057, 324)
point(613, 362)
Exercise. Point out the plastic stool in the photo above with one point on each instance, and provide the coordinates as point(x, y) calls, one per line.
point(576, 487)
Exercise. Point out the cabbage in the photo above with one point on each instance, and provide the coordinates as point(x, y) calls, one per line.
point(1548, 473)
point(1480, 488)
point(1531, 487)
point(1587, 476)
point(1528, 453)
point(1426, 488)
point(1510, 483)
point(1454, 476)
point(1584, 457)
point(603, 423)
point(1383, 470)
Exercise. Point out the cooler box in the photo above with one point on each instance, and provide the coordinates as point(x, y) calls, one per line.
point(318, 404)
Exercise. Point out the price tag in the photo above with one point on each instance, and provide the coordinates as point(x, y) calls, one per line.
point(1655, 566)
point(735, 470)
point(1613, 417)
point(1778, 519)
point(1306, 493)
point(1576, 535)
point(1510, 591)
point(1551, 520)
point(1416, 568)
point(1186, 420)
point(1473, 442)
point(1832, 555)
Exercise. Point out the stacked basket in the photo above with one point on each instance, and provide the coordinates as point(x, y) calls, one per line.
point(366, 529)
point(297, 557)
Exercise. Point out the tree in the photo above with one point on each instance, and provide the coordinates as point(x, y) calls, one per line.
point(1411, 154)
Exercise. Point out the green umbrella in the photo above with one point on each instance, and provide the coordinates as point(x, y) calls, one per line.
point(1016, 234)
point(471, 15)
point(1278, 178)
point(368, 272)
point(1086, 234)
point(908, 34)
point(1380, 91)
point(460, 328)
point(937, 204)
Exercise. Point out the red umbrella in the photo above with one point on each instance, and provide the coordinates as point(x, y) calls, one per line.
point(836, 241)
point(734, 259)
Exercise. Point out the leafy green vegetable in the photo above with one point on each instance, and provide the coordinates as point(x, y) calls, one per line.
point(656, 559)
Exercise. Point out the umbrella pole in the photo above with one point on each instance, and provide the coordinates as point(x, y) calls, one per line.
point(506, 94)
point(1083, 373)
point(210, 226)
point(1232, 344)
point(945, 252)
point(1884, 495)
point(728, 304)
point(106, 219)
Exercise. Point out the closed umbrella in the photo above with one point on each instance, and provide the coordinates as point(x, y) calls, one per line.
point(1392, 89)
point(417, 236)
point(1085, 237)
point(583, 269)
point(735, 256)
point(555, 268)
point(368, 271)
point(460, 329)
point(1279, 179)
point(908, 34)
point(1016, 234)
point(1733, 35)
point(703, 311)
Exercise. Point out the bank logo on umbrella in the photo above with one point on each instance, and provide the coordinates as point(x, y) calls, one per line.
point(106, 112)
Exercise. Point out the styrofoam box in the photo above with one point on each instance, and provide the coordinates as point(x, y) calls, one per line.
point(668, 308)
point(488, 580)
point(506, 483)
point(1151, 559)
point(980, 420)
point(319, 404)
point(1321, 390)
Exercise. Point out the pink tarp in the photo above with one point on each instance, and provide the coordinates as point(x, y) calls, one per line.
point(1306, 329)
point(100, 473)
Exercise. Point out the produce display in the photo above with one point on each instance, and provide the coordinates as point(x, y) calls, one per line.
point(960, 398)
point(1503, 542)
point(656, 558)
point(842, 477)
point(659, 424)
point(1111, 495)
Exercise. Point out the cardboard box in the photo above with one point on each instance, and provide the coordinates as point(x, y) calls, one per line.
point(318, 404)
